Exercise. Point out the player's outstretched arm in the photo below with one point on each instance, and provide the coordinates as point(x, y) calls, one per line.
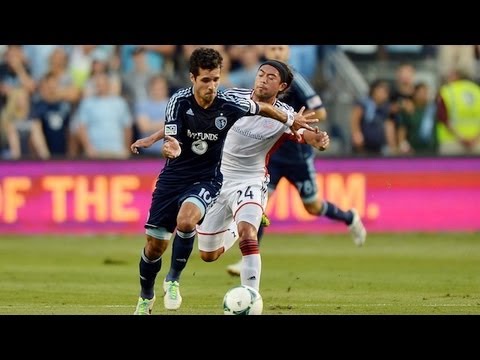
point(294, 121)
point(147, 141)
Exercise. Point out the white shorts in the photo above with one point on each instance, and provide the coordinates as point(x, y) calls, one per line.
point(238, 201)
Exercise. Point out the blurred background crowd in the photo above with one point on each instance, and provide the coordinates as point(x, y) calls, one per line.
point(93, 101)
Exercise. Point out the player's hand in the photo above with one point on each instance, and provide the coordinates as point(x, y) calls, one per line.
point(141, 143)
point(319, 140)
point(302, 120)
point(171, 148)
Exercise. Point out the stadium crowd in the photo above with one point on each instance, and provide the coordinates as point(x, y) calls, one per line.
point(93, 101)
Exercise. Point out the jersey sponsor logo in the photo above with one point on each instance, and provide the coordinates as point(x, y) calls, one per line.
point(251, 134)
point(190, 112)
point(199, 147)
point(202, 136)
point(171, 129)
point(221, 122)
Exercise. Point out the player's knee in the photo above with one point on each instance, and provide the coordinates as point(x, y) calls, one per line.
point(313, 208)
point(209, 256)
point(185, 224)
point(155, 247)
point(246, 231)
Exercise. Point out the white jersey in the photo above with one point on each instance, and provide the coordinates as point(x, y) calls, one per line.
point(250, 140)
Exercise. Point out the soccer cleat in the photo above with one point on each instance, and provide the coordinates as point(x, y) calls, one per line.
point(265, 222)
point(172, 298)
point(234, 269)
point(144, 306)
point(359, 234)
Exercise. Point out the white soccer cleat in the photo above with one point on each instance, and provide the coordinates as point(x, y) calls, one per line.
point(144, 306)
point(358, 231)
point(234, 269)
point(172, 298)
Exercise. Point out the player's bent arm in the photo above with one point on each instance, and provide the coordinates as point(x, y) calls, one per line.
point(147, 141)
point(157, 135)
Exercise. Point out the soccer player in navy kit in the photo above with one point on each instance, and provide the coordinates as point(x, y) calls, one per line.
point(198, 117)
point(295, 161)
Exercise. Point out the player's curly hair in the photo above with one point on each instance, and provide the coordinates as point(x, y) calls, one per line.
point(205, 58)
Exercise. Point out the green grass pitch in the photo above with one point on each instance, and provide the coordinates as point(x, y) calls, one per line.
point(301, 274)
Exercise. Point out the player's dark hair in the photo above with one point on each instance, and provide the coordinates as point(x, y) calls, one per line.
point(205, 58)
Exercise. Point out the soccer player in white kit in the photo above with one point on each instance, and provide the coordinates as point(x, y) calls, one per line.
point(243, 197)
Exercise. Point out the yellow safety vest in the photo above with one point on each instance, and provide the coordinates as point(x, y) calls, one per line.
point(462, 100)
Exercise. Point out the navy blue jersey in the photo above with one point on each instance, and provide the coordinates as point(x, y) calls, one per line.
point(201, 133)
point(300, 94)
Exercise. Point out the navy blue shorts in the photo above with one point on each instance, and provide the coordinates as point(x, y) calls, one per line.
point(167, 200)
point(302, 175)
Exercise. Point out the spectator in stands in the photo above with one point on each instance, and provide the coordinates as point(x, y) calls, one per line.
point(104, 123)
point(135, 81)
point(58, 63)
point(244, 76)
point(19, 136)
point(100, 65)
point(52, 114)
point(304, 59)
point(451, 57)
point(37, 57)
point(156, 56)
point(14, 73)
point(150, 113)
point(458, 126)
point(402, 93)
point(373, 130)
point(80, 64)
point(416, 133)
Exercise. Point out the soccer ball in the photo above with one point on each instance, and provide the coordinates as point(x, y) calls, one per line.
point(242, 300)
